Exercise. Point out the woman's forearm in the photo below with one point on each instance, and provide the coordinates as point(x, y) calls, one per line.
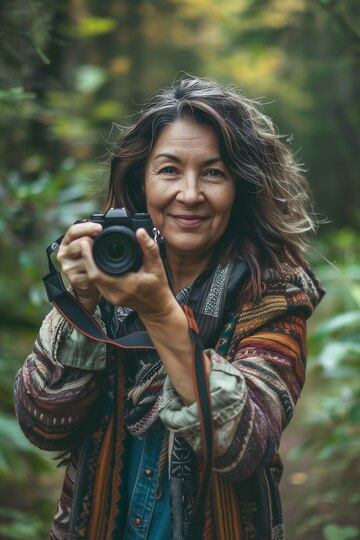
point(169, 333)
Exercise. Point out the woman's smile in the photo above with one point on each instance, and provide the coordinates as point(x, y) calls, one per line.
point(185, 220)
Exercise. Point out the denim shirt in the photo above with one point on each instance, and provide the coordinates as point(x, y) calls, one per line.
point(148, 517)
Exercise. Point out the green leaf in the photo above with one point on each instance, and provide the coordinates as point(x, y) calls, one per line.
point(94, 26)
point(355, 291)
point(354, 413)
point(42, 56)
point(345, 321)
point(108, 110)
point(336, 354)
point(89, 78)
point(12, 434)
point(333, 532)
point(14, 447)
point(15, 94)
point(16, 525)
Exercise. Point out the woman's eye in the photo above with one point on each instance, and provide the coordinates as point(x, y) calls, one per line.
point(168, 170)
point(215, 173)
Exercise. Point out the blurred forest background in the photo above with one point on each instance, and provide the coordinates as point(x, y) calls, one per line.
point(71, 72)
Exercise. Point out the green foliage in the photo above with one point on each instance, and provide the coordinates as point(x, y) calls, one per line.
point(19, 526)
point(16, 455)
point(10, 95)
point(332, 419)
point(336, 421)
point(16, 525)
point(333, 532)
point(25, 504)
point(40, 210)
point(94, 26)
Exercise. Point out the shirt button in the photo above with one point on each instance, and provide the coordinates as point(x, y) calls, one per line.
point(138, 521)
point(148, 473)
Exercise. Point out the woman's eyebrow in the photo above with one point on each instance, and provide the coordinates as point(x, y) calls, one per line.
point(173, 157)
point(167, 156)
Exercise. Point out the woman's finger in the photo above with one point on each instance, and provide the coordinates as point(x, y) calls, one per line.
point(79, 230)
point(91, 268)
point(150, 250)
point(70, 254)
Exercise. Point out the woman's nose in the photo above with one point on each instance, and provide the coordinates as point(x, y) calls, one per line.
point(190, 191)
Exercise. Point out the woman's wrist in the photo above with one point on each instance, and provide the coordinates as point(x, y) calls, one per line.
point(169, 333)
point(169, 315)
point(89, 303)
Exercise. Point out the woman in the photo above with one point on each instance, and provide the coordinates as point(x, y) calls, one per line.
point(224, 192)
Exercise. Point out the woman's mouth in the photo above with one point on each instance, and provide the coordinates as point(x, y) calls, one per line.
point(189, 220)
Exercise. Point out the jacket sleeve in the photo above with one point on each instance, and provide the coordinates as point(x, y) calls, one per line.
point(58, 385)
point(254, 390)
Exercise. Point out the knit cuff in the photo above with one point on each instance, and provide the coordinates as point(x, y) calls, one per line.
point(228, 394)
point(68, 347)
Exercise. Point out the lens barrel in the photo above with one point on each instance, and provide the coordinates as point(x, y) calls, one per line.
point(116, 250)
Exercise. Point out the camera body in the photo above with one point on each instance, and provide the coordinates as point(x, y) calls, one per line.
point(116, 249)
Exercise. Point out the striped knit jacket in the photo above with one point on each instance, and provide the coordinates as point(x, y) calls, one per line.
point(262, 351)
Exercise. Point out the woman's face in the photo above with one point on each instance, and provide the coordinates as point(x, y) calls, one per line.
point(189, 191)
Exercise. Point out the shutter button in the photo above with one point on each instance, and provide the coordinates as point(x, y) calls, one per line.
point(148, 473)
point(138, 521)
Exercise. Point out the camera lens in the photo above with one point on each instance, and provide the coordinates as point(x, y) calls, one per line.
point(117, 251)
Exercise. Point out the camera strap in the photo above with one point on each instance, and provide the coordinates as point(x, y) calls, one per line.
point(76, 315)
point(73, 311)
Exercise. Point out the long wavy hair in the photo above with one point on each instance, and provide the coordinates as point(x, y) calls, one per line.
point(271, 215)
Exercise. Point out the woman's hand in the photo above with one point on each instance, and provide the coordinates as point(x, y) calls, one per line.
point(73, 264)
point(146, 291)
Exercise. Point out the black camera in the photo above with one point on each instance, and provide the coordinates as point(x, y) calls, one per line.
point(115, 248)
